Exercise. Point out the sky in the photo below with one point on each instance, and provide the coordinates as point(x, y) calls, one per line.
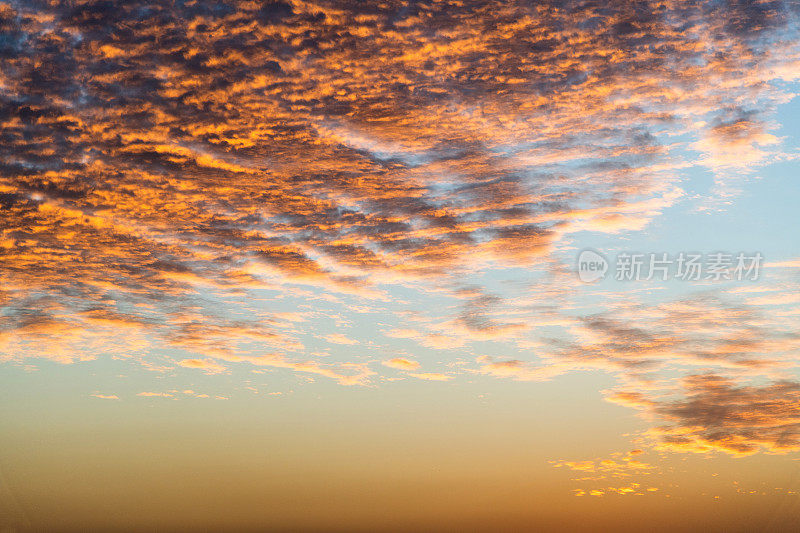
point(399, 265)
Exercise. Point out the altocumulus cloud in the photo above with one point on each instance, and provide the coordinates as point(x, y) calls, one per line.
point(160, 162)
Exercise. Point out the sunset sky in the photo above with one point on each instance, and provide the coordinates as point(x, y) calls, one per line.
point(313, 265)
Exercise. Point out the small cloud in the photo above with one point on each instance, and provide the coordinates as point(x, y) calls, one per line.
point(401, 364)
point(155, 394)
point(792, 263)
point(518, 370)
point(402, 333)
point(431, 376)
point(106, 396)
point(207, 365)
point(338, 338)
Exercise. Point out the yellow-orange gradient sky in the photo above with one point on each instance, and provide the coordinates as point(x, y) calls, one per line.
point(295, 265)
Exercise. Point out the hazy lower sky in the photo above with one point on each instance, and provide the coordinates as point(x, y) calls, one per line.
point(399, 266)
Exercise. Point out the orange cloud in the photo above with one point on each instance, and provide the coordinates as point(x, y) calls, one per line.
point(207, 365)
point(401, 363)
point(106, 396)
point(430, 376)
point(159, 199)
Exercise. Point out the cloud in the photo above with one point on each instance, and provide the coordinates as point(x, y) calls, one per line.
point(401, 363)
point(744, 399)
point(476, 317)
point(594, 474)
point(209, 366)
point(792, 263)
point(519, 370)
point(735, 141)
point(719, 414)
point(708, 372)
point(339, 338)
point(106, 396)
point(175, 178)
point(430, 376)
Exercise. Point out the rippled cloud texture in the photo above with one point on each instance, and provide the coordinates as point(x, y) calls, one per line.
point(200, 184)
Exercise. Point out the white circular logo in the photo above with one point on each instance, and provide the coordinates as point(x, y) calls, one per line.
point(592, 266)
